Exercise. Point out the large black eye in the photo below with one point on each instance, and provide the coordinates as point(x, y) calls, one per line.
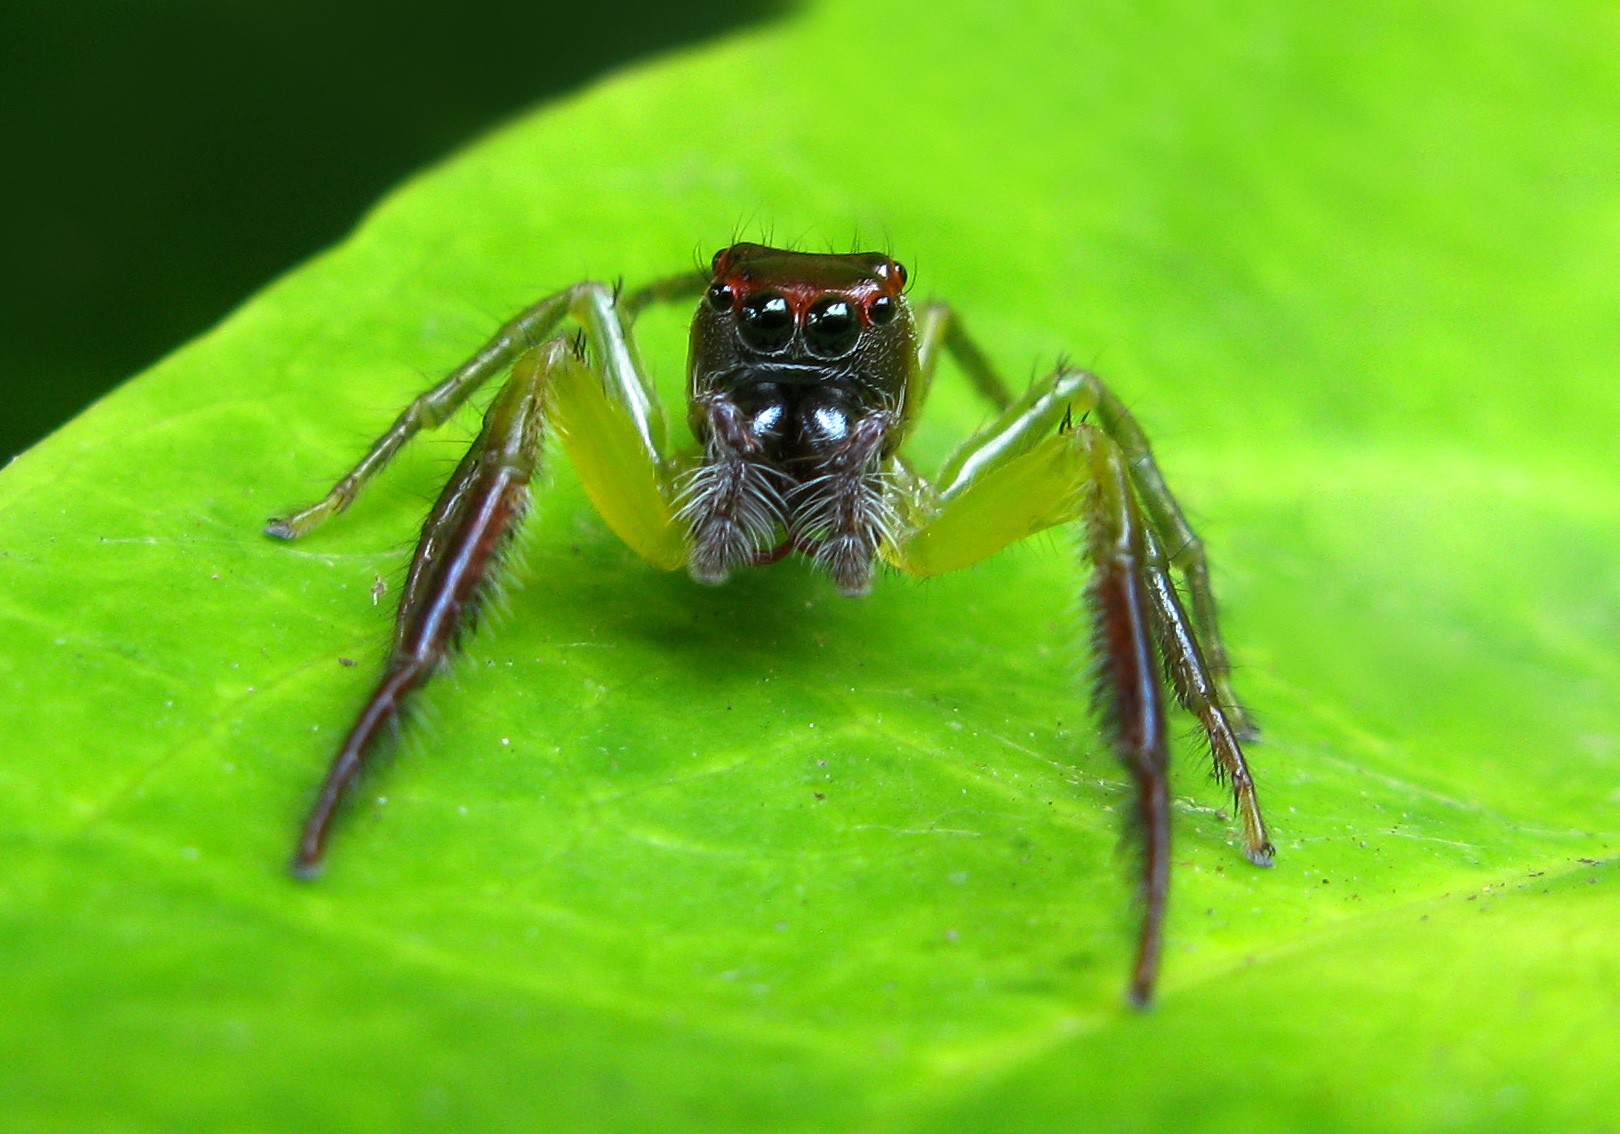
point(767, 322)
point(832, 328)
point(720, 297)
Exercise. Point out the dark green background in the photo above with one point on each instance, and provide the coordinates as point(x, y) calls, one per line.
point(165, 159)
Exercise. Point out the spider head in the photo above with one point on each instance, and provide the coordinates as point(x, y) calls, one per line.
point(806, 342)
point(805, 307)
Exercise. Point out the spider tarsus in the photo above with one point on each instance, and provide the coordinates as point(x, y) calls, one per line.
point(708, 576)
point(719, 545)
point(278, 528)
point(847, 557)
point(306, 869)
point(1262, 855)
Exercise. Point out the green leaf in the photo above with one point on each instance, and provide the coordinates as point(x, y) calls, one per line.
point(664, 858)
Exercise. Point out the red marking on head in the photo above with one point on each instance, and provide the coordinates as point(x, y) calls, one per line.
point(805, 278)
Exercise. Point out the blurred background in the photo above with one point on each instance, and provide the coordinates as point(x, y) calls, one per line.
point(166, 158)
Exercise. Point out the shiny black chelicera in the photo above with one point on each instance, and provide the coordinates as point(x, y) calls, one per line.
point(805, 376)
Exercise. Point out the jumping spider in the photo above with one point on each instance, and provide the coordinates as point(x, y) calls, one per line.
point(806, 374)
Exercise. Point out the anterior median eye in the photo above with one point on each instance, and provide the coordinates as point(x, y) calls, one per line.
point(767, 322)
point(831, 328)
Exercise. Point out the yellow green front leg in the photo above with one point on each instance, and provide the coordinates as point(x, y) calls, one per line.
point(629, 482)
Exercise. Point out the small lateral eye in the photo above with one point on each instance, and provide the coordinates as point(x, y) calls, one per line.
point(720, 297)
point(767, 322)
point(880, 310)
point(831, 327)
point(894, 270)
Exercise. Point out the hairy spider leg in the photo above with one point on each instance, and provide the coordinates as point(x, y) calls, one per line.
point(610, 421)
point(611, 424)
point(1195, 688)
point(1186, 549)
point(1034, 469)
point(939, 328)
point(1201, 676)
point(1068, 476)
point(432, 409)
point(460, 548)
point(1126, 692)
point(670, 289)
point(1203, 681)
point(592, 305)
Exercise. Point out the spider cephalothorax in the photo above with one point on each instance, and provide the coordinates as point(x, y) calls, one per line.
point(806, 374)
point(797, 391)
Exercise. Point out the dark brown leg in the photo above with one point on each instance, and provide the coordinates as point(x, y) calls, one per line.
point(1126, 692)
point(458, 553)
